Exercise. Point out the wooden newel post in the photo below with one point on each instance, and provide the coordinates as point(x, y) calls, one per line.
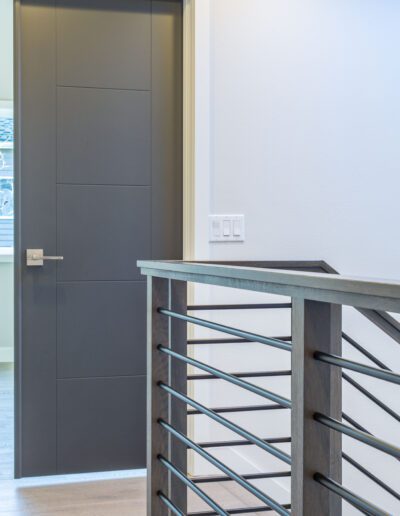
point(170, 333)
point(316, 387)
point(178, 380)
point(157, 399)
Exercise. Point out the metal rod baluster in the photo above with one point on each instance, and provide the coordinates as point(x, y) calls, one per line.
point(252, 337)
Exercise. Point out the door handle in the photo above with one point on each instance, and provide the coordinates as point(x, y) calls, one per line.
point(36, 257)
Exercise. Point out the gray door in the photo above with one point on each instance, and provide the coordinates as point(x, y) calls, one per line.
point(100, 173)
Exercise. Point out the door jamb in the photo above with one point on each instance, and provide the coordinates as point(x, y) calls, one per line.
point(189, 130)
point(189, 164)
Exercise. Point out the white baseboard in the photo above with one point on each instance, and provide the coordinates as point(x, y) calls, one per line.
point(6, 354)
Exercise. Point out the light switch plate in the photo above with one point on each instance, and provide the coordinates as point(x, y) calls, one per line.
point(226, 228)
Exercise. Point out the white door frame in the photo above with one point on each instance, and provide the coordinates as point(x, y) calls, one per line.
point(196, 129)
point(188, 208)
point(189, 18)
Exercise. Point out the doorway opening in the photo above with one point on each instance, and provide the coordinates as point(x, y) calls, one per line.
point(6, 243)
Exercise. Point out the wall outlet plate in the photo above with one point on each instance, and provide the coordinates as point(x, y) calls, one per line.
point(226, 228)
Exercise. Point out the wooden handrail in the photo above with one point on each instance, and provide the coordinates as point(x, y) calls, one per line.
point(330, 288)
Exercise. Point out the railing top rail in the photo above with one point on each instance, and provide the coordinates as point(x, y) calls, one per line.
point(375, 294)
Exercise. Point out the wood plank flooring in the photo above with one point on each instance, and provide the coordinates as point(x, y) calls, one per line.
point(120, 497)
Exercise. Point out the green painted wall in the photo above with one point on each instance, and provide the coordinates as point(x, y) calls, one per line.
point(6, 311)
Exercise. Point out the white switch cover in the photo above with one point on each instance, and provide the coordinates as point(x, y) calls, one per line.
point(226, 228)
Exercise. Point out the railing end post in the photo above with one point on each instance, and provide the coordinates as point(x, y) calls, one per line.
point(316, 387)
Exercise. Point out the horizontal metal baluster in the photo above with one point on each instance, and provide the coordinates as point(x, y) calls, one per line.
point(361, 436)
point(365, 352)
point(191, 485)
point(375, 400)
point(222, 444)
point(337, 361)
point(242, 510)
point(362, 389)
point(371, 476)
point(229, 378)
point(196, 342)
point(252, 476)
point(255, 374)
point(350, 497)
point(255, 306)
point(354, 423)
point(244, 408)
point(225, 469)
point(228, 424)
point(252, 337)
point(167, 502)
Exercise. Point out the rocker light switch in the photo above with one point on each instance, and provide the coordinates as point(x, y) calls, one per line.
point(226, 228)
point(237, 228)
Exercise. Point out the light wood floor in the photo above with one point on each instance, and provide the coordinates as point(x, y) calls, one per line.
point(120, 497)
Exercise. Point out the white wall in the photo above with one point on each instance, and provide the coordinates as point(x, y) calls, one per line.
point(303, 133)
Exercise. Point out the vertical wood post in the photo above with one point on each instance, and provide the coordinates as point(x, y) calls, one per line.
point(316, 387)
point(178, 380)
point(158, 479)
point(171, 333)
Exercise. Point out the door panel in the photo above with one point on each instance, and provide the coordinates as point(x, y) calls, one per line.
point(100, 179)
point(100, 408)
point(104, 136)
point(101, 45)
point(88, 325)
point(102, 231)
